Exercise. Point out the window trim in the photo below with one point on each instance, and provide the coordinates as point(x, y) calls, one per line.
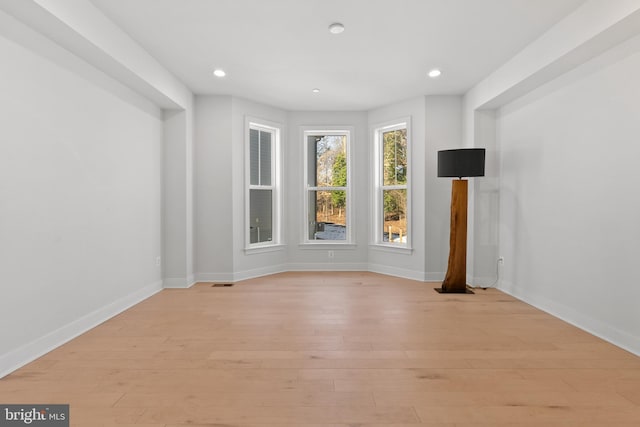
point(349, 132)
point(276, 243)
point(377, 186)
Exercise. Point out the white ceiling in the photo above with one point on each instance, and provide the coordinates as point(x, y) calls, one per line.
point(277, 51)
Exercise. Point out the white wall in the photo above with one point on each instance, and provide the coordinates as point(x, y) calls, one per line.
point(568, 196)
point(389, 261)
point(593, 28)
point(80, 203)
point(219, 183)
point(177, 199)
point(213, 179)
point(307, 257)
point(258, 263)
point(177, 266)
point(484, 205)
point(443, 131)
point(435, 124)
point(220, 151)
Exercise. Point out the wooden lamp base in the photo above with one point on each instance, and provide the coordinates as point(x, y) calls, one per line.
point(455, 281)
point(466, 291)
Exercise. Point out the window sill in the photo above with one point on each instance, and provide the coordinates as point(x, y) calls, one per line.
point(264, 249)
point(391, 248)
point(327, 245)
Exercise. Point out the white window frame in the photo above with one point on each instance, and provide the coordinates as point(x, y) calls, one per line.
point(276, 184)
point(347, 131)
point(377, 206)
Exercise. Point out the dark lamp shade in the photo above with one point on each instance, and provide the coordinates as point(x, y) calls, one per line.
point(460, 163)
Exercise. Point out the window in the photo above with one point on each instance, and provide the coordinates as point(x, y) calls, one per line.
point(262, 197)
point(392, 202)
point(327, 202)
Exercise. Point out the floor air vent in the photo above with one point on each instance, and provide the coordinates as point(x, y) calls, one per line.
point(221, 285)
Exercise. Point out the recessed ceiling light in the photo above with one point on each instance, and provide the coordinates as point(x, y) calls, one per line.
point(316, 90)
point(434, 73)
point(219, 73)
point(336, 28)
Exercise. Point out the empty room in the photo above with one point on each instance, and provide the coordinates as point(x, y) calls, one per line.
point(319, 213)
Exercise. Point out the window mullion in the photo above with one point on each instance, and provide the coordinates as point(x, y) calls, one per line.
point(259, 157)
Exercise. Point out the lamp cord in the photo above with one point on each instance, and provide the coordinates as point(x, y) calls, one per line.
point(493, 285)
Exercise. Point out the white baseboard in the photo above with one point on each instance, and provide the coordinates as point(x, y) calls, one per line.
point(481, 281)
point(258, 272)
point(434, 276)
point(397, 272)
point(327, 266)
point(595, 327)
point(178, 282)
point(215, 277)
point(19, 357)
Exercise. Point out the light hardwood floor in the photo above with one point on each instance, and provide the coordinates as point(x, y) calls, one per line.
point(334, 350)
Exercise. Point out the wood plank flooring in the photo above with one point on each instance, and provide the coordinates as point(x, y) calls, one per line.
point(334, 350)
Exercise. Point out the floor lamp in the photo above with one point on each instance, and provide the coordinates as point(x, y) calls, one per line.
point(460, 163)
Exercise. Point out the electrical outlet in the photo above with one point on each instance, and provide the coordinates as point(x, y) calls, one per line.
point(330, 254)
point(158, 261)
point(501, 260)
